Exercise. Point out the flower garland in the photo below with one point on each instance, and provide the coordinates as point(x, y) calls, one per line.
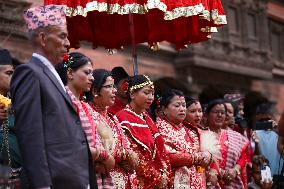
point(141, 85)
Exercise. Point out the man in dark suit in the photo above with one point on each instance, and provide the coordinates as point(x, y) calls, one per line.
point(52, 142)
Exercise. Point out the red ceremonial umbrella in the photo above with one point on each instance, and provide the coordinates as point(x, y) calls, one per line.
point(117, 23)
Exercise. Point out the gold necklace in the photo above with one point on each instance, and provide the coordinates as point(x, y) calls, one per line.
point(130, 109)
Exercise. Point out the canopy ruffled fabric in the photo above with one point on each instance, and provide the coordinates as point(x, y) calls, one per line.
point(107, 22)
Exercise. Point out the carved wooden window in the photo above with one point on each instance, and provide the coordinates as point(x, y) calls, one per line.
point(251, 26)
point(276, 44)
point(276, 39)
point(233, 21)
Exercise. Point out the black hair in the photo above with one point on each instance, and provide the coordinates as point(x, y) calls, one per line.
point(260, 160)
point(234, 104)
point(5, 57)
point(189, 101)
point(213, 103)
point(155, 106)
point(100, 77)
point(264, 109)
point(135, 80)
point(169, 95)
point(118, 74)
point(15, 62)
point(78, 60)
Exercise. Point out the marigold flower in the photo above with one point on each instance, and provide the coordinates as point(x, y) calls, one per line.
point(5, 101)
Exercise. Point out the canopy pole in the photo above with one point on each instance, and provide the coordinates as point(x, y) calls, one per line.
point(133, 43)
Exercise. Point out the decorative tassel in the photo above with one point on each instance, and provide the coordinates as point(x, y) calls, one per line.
point(107, 136)
point(209, 143)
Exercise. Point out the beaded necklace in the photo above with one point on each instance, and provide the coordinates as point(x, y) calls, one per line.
point(130, 109)
point(104, 114)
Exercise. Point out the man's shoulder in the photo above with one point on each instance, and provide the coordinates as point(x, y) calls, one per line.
point(34, 65)
point(35, 62)
point(22, 72)
point(26, 73)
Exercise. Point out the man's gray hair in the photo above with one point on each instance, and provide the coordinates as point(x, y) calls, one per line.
point(33, 34)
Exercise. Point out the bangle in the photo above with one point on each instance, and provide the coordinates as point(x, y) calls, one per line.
point(209, 183)
point(196, 159)
point(237, 170)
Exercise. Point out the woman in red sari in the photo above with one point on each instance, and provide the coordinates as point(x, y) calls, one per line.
point(120, 77)
point(102, 96)
point(182, 143)
point(194, 113)
point(76, 74)
point(233, 148)
point(152, 169)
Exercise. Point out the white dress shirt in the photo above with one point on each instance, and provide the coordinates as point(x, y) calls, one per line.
point(48, 64)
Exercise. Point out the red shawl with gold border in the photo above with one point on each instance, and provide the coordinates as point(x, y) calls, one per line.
point(146, 141)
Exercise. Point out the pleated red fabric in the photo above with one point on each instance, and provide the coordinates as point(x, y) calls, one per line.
point(107, 22)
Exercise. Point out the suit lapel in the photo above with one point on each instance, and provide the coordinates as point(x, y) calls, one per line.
point(54, 80)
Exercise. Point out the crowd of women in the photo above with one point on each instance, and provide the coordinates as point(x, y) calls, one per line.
point(66, 118)
point(138, 140)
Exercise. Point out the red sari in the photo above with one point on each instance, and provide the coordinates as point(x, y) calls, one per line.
point(180, 141)
point(116, 107)
point(88, 122)
point(118, 175)
point(234, 148)
point(145, 140)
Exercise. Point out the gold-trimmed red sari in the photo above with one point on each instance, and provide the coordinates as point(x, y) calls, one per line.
point(145, 140)
point(181, 141)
